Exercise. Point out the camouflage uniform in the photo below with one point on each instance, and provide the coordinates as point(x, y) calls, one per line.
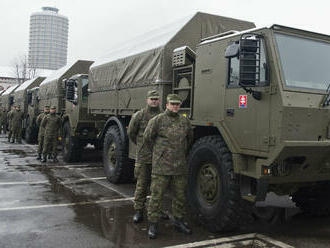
point(143, 159)
point(41, 132)
point(3, 122)
point(9, 118)
point(170, 135)
point(52, 124)
point(17, 119)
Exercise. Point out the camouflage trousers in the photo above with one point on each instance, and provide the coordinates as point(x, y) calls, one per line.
point(3, 127)
point(159, 185)
point(50, 145)
point(17, 134)
point(40, 143)
point(142, 173)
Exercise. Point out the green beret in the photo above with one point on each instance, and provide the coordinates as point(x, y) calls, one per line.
point(173, 98)
point(153, 94)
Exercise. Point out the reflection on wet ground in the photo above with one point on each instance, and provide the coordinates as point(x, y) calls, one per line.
point(73, 205)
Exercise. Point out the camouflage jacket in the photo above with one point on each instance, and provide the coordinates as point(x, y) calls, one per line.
point(17, 118)
point(3, 117)
point(170, 135)
point(38, 122)
point(136, 129)
point(52, 125)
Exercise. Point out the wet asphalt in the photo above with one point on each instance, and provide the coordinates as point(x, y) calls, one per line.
point(73, 205)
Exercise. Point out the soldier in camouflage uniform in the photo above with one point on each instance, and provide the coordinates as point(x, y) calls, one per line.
point(16, 122)
point(52, 125)
point(41, 132)
point(143, 158)
point(170, 135)
point(3, 121)
point(9, 118)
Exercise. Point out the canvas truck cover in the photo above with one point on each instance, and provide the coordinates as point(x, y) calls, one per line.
point(51, 91)
point(148, 58)
point(20, 92)
point(5, 97)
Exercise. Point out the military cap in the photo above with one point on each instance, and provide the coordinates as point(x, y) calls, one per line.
point(46, 107)
point(152, 94)
point(53, 107)
point(173, 98)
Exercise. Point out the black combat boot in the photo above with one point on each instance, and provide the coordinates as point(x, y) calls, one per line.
point(12, 141)
point(180, 226)
point(138, 216)
point(44, 159)
point(39, 156)
point(164, 216)
point(153, 230)
point(50, 156)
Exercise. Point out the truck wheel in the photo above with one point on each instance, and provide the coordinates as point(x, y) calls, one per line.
point(72, 149)
point(313, 200)
point(213, 193)
point(115, 157)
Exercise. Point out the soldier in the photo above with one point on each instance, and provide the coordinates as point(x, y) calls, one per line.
point(41, 132)
point(170, 136)
point(52, 124)
point(143, 159)
point(3, 121)
point(17, 119)
point(9, 118)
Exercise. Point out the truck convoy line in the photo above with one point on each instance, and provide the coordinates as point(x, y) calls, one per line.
point(255, 96)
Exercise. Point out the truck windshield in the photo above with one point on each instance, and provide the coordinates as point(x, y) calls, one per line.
point(305, 62)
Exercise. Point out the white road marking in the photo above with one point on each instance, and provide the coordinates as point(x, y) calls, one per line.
point(229, 242)
point(47, 182)
point(65, 204)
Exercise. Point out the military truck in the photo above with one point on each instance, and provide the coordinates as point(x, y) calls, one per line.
point(7, 97)
point(31, 134)
point(78, 127)
point(21, 98)
point(258, 100)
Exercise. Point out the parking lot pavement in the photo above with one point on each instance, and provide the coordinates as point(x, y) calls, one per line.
point(73, 205)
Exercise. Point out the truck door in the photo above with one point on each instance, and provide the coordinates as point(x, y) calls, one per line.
point(247, 118)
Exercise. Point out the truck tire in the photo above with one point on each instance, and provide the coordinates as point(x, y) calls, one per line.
point(313, 200)
point(213, 193)
point(117, 166)
point(72, 149)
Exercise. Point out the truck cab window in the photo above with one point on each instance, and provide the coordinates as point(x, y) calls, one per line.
point(233, 72)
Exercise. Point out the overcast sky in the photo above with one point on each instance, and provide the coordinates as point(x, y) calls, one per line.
point(95, 26)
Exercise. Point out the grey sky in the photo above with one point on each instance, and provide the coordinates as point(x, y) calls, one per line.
point(96, 26)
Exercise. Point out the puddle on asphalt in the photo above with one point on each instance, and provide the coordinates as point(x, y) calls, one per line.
point(21, 153)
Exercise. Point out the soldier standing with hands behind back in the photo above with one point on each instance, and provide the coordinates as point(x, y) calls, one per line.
point(17, 121)
point(143, 158)
point(52, 125)
point(9, 118)
point(41, 133)
point(170, 135)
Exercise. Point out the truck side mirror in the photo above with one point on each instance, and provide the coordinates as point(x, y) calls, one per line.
point(69, 91)
point(232, 50)
point(249, 57)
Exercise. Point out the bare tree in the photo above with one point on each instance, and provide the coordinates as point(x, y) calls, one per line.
point(22, 70)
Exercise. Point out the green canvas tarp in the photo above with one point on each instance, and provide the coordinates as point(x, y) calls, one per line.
point(147, 59)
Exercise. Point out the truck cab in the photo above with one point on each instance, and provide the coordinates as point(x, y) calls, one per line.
point(79, 127)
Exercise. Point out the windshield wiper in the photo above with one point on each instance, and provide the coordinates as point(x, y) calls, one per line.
point(326, 99)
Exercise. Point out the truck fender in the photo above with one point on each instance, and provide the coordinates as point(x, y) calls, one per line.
point(115, 121)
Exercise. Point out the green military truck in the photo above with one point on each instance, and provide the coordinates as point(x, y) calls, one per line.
point(7, 97)
point(258, 100)
point(79, 127)
point(31, 134)
point(21, 98)
point(67, 90)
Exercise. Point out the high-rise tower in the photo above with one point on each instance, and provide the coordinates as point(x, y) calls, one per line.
point(48, 39)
